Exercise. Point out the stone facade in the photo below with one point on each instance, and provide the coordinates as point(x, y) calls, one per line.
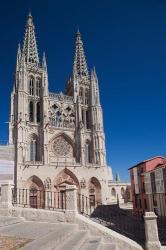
point(58, 138)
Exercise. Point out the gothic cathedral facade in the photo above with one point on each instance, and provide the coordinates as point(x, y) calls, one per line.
point(58, 138)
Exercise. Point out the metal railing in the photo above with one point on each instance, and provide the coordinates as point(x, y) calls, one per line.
point(113, 217)
point(161, 224)
point(39, 199)
point(86, 205)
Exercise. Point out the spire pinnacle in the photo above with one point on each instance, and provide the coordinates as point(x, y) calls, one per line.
point(80, 66)
point(29, 46)
point(44, 63)
point(18, 56)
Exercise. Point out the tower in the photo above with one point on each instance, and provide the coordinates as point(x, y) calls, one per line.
point(58, 138)
point(89, 123)
point(28, 102)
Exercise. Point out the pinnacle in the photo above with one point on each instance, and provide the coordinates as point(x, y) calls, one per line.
point(30, 47)
point(80, 66)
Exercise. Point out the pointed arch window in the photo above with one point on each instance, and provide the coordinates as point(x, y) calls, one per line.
point(38, 112)
point(38, 87)
point(88, 152)
point(87, 120)
point(58, 119)
point(34, 149)
point(31, 86)
point(86, 97)
point(31, 112)
point(81, 94)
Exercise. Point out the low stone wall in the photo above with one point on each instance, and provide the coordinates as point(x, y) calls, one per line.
point(96, 229)
point(32, 214)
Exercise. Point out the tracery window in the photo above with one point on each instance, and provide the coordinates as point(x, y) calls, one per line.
point(81, 94)
point(87, 120)
point(86, 97)
point(88, 152)
point(38, 112)
point(58, 119)
point(31, 86)
point(38, 87)
point(31, 112)
point(62, 116)
point(34, 149)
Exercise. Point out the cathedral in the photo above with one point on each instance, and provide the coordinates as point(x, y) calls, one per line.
point(58, 138)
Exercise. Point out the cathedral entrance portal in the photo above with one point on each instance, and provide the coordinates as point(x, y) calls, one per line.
point(35, 189)
point(64, 178)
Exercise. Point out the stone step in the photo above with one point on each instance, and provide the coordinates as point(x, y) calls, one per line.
point(52, 239)
point(92, 243)
point(75, 241)
point(107, 246)
point(6, 221)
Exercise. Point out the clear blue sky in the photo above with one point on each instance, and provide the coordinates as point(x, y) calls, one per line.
point(125, 40)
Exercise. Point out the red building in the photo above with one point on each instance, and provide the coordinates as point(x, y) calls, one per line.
point(139, 197)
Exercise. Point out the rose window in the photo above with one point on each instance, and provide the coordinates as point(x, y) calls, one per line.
point(62, 147)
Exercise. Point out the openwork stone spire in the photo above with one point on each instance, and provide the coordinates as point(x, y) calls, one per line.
point(30, 47)
point(80, 66)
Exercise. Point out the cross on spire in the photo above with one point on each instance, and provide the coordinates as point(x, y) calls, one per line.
point(29, 46)
point(80, 66)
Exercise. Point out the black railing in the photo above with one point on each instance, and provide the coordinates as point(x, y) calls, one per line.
point(86, 205)
point(113, 217)
point(39, 199)
point(161, 223)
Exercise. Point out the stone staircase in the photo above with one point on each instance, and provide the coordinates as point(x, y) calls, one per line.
point(50, 236)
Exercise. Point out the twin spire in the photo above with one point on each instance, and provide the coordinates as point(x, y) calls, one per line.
point(30, 52)
point(80, 68)
point(29, 46)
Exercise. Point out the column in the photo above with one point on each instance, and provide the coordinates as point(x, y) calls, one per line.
point(151, 232)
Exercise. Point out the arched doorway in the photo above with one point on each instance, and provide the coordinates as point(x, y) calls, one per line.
point(35, 192)
point(64, 178)
point(94, 191)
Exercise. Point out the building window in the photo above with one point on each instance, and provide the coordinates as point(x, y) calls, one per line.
point(153, 182)
point(81, 92)
point(82, 116)
point(87, 120)
point(38, 87)
point(34, 150)
point(38, 112)
point(88, 152)
point(31, 112)
point(86, 97)
point(143, 187)
point(58, 119)
point(31, 86)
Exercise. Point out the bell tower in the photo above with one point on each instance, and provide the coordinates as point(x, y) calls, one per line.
point(27, 102)
point(89, 126)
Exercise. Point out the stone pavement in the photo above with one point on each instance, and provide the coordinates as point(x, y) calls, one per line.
point(48, 236)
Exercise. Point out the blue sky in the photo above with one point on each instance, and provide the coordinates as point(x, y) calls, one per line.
point(125, 40)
